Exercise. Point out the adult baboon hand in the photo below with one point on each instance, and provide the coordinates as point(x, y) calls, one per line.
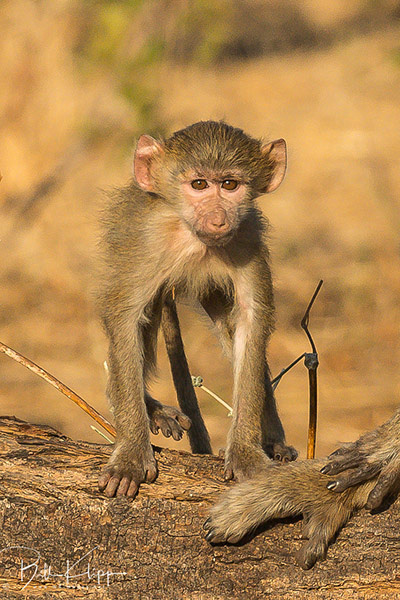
point(375, 453)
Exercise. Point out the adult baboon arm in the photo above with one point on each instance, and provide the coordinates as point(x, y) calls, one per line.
point(376, 454)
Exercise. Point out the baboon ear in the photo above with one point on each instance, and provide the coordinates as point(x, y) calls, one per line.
point(147, 148)
point(277, 155)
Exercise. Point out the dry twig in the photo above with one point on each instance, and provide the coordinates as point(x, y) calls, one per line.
point(311, 362)
point(92, 412)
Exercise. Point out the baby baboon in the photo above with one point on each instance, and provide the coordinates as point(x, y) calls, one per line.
point(304, 488)
point(189, 226)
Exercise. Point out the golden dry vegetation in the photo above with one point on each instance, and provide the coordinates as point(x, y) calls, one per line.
point(74, 96)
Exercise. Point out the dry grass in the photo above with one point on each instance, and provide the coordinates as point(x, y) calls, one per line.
point(336, 216)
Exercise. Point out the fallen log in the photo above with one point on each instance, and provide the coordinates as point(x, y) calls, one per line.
point(61, 539)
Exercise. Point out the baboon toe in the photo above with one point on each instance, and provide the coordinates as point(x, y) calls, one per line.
point(216, 534)
point(114, 484)
point(283, 453)
point(312, 551)
point(306, 559)
point(125, 472)
point(171, 421)
point(228, 472)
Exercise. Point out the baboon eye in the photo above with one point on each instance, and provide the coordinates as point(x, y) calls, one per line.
point(199, 184)
point(230, 184)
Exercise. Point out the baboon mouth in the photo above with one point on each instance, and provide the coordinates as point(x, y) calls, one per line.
point(215, 239)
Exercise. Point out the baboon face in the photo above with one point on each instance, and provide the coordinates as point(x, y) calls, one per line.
point(211, 173)
point(213, 204)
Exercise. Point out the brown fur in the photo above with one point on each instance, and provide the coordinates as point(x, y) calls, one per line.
point(285, 491)
point(372, 472)
point(161, 234)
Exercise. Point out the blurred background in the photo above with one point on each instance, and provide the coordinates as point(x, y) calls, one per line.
point(81, 79)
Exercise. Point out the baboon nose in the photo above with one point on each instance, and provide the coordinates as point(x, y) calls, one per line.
point(217, 222)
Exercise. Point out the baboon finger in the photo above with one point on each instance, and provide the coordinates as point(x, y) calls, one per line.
point(218, 535)
point(283, 453)
point(171, 421)
point(133, 489)
point(307, 556)
point(214, 537)
point(343, 463)
point(342, 450)
point(154, 428)
point(112, 486)
point(360, 475)
point(123, 486)
point(151, 473)
point(184, 421)
point(228, 473)
point(234, 539)
point(388, 482)
point(104, 478)
point(177, 431)
point(170, 427)
point(174, 413)
point(163, 424)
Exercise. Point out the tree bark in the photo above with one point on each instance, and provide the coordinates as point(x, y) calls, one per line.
point(66, 541)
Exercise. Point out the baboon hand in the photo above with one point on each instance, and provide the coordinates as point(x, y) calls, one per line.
point(126, 470)
point(170, 420)
point(376, 453)
point(363, 468)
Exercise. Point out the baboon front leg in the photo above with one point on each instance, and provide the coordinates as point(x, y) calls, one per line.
point(132, 460)
point(256, 427)
point(244, 454)
point(322, 523)
point(285, 491)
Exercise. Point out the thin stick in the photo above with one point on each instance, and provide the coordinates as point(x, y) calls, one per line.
point(197, 381)
point(311, 362)
point(218, 399)
point(103, 435)
point(59, 386)
point(275, 381)
point(305, 320)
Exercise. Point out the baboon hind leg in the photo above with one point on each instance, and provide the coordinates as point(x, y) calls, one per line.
point(170, 420)
point(198, 434)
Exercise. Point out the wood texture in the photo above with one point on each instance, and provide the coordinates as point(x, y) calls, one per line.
point(52, 513)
